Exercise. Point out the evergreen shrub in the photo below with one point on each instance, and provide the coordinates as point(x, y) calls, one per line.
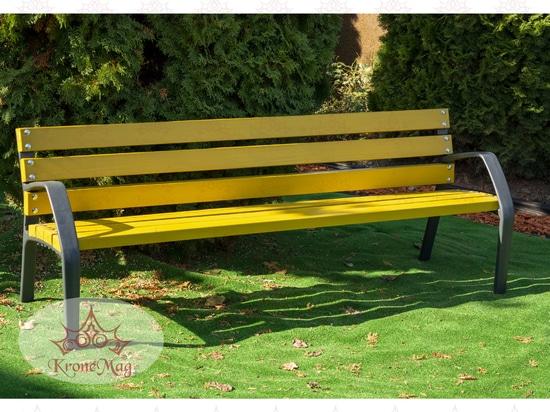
point(492, 71)
point(95, 69)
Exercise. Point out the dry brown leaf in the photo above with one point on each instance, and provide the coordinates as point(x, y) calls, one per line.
point(372, 339)
point(441, 355)
point(350, 311)
point(156, 393)
point(404, 395)
point(298, 343)
point(163, 375)
point(389, 278)
point(466, 377)
point(224, 387)
point(127, 386)
point(529, 393)
point(300, 374)
point(313, 354)
point(4, 300)
point(11, 290)
point(289, 366)
point(523, 340)
point(481, 371)
point(215, 355)
point(214, 301)
point(26, 325)
point(262, 332)
point(354, 368)
point(533, 363)
point(34, 371)
point(419, 357)
point(312, 385)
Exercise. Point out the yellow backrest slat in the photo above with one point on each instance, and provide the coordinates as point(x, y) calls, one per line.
point(209, 190)
point(222, 158)
point(188, 131)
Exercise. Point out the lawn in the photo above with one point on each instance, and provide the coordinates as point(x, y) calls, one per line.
point(345, 312)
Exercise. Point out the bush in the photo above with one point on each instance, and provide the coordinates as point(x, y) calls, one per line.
point(492, 71)
point(82, 69)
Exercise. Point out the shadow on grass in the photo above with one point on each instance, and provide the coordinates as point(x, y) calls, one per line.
point(325, 291)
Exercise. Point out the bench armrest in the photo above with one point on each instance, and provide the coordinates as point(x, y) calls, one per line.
point(61, 209)
point(495, 173)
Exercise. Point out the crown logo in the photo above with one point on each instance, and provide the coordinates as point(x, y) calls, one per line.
point(91, 335)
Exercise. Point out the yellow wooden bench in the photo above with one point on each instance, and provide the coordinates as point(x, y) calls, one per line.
point(48, 162)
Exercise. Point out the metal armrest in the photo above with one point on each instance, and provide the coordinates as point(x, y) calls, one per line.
point(70, 251)
point(495, 173)
point(506, 212)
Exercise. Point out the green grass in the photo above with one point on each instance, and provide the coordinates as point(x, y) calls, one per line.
point(435, 331)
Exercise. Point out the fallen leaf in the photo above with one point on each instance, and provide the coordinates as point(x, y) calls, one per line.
point(163, 375)
point(300, 374)
point(156, 393)
point(533, 363)
point(348, 264)
point(481, 371)
point(214, 301)
point(441, 355)
point(354, 368)
point(466, 377)
point(404, 395)
point(34, 371)
point(350, 311)
point(128, 385)
point(419, 357)
point(523, 340)
point(372, 339)
point(313, 354)
point(262, 332)
point(10, 289)
point(26, 325)
point(529, 393)
point(312, 385)
point(289, 366)
point(298, 343)
point(389, 278)
point(224, 387)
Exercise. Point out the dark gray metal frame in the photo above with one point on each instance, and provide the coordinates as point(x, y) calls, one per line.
point(505, 212)
point(69, 253)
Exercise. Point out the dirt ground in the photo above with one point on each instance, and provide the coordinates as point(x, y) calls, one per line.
point(531, 190)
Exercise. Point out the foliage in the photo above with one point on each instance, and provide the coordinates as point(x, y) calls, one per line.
point(82, 69)
point(492, 71)
point(351, 85)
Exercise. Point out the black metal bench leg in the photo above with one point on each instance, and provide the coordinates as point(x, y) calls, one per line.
point(429, 238)
point(28, 270)
point(71, 287)
point(505, 232)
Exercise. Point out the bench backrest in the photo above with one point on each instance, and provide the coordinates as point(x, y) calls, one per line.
point(48, 153)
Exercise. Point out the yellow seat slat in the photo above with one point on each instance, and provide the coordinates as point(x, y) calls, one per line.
point(144, 229)
point(222, 158)
point(251, 187)
point(135, 134)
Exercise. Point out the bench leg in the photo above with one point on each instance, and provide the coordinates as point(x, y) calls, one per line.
point(505, 232)
point(70, 260)
point(429, 238)
point(28, 270)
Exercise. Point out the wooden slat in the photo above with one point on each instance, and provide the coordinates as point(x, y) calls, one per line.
point(145, 229)
point(130, 164)
point(265, 186)
point(135, 134)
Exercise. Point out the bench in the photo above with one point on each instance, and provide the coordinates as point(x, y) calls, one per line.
point(57, 164)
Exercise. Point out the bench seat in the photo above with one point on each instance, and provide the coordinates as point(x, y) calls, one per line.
point(229, 221)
